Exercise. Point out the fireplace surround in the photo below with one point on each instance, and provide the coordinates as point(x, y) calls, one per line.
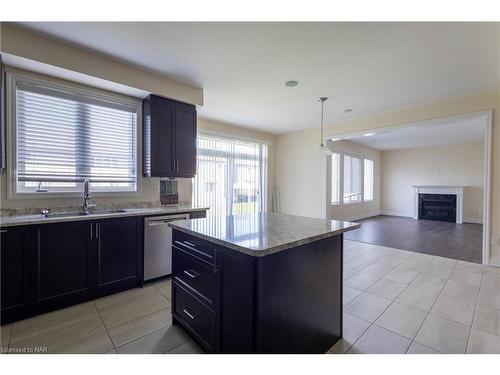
point(438, 202)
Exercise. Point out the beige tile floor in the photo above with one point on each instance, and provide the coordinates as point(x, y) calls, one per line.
point(135, 321)
point(398, 301)
point(395, 301)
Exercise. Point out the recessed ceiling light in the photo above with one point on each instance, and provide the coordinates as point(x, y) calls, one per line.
point(347, 110)
point(291, 83)
point(368, 134)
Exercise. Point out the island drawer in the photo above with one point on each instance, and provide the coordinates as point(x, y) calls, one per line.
point(194, 316)
point(195, 246)
point(201, 277)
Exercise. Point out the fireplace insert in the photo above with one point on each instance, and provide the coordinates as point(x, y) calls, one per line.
point(440, 207)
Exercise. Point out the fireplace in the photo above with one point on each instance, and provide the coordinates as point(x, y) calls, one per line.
point(440, 207)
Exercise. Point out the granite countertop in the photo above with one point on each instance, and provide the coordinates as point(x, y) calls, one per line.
point(11, 221)
point(264, 233)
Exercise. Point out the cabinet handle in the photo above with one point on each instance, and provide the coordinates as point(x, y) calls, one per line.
point(91, 231)
point(188, 314)
point(192, 273)
point(190, 244)
point(3, 231)
point(97, 230)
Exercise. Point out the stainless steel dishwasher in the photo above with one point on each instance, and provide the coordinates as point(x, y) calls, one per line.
point(158, 245)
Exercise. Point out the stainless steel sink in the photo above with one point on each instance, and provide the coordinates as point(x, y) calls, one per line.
point(66, 214)
point(82, 213)
point(104, 212)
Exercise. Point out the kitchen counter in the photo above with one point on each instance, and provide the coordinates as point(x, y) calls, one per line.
point(264, 233)
point(11, 221)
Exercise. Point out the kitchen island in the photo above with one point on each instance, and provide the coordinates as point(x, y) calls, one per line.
point(261, 283)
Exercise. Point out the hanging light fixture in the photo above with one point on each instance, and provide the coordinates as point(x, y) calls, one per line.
point(323, 149)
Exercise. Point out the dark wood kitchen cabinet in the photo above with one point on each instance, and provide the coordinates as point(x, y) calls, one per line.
point(16, 273)
point(169, 138)
point(119, 255)
point(62, 265)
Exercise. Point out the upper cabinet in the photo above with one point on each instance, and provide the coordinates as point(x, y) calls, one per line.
point(169, 138)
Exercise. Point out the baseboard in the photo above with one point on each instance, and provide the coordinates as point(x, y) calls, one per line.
point(473, 221)
point(362, 216)
point(397, 213)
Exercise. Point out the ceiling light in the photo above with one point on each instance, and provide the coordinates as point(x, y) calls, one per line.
point(291, 83)
point(347, 110)
point(368, 134)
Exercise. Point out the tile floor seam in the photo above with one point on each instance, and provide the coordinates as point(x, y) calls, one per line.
point(429, 313)
point(474, 315)
point(104, 325)
point(138, 338)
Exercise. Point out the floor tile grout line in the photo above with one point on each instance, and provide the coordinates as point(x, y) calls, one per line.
point(429, 313)
point(372, 323)
point(104, 325)
point(474, 314)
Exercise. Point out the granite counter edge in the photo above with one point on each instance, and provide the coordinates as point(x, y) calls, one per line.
point(266, 251)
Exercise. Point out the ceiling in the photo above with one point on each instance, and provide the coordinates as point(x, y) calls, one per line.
point(368, 67)
point(447, 131)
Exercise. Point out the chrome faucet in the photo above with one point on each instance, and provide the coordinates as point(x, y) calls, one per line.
point(86, 197)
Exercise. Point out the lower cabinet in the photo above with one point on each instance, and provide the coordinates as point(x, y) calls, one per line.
point(15, 273)
point(62, 265)
point(50, 266)
point(119, 255)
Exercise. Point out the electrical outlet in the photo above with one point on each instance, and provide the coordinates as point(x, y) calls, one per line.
point(156, 187)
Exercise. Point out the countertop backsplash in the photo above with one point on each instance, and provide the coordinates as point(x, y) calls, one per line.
point(34, 211)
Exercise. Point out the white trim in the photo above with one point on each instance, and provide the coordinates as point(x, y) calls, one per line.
point(458, 191)
point(397, 213)
point(473, 221)
point(488, 139)
point(11, 78)
point(361, 216)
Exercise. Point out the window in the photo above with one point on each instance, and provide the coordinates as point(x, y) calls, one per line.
point(231, 175)
point(335, 199)
point(368, 180)
point(64, 136)
point(352, 179)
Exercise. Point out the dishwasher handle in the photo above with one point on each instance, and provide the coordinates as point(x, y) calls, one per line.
point(167, 220)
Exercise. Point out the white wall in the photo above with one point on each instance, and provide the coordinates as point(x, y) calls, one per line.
point(301, 174)
point(359, 210)
point(441, 165)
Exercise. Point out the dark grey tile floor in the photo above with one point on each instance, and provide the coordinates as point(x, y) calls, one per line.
point(450, 240)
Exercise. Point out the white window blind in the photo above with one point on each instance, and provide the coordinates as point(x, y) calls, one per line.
point(231, 175)
point(66, 136)
point(352, 179)
point(335, 198)
point(368, 180)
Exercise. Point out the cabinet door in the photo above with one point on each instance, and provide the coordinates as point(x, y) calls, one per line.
point(16, 273)
point(63, 265)
point(185, 140)
point(119, 254)
point(162, 128)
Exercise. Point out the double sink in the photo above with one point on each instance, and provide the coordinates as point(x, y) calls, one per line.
point(83, 213)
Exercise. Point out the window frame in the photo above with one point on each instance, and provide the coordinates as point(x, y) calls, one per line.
point(263, 167)
point(341, 181)
point(373, 179)
point(14, 75)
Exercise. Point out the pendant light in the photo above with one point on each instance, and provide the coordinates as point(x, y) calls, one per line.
point(323, 149)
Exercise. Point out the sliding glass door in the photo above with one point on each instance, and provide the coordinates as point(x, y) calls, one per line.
point(231, 175)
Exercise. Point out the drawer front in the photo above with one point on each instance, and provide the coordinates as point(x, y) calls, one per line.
point(198, 275)
point(195, 246)
point(196, 316)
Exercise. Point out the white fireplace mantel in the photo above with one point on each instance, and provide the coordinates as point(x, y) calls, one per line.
point(452, 190)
